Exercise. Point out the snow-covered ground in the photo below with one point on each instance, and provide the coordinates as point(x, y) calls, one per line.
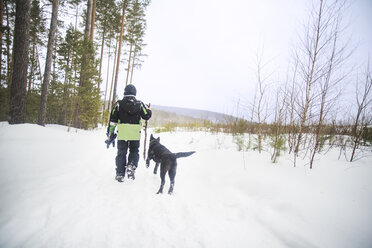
point(57, 189)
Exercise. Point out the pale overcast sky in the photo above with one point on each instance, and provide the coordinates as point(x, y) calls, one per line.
point(201, 53)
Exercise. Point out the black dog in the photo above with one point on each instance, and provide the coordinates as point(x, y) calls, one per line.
point(167, 159)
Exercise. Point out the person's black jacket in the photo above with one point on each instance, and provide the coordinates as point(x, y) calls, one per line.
point(130, 110)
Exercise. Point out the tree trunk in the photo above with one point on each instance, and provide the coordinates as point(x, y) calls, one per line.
point(1, 34)
point(48, 64)
point(133, 64)
point(129, 62)
point(84, 59)
point(317, 133)
point(92, 21)
point(100, 62)
point(107, 80)
point(309, 83)
point(259, 106)
point(38, 62)
point(88, 22)
point(84, 62)
point(33, 56)
point(119, 51)
point(324, 101)
point(355, 133)
point(8, 54)
point(111, 103)
point(292, 126)
point(73, 67)
point(20, 51)
point(65, 86)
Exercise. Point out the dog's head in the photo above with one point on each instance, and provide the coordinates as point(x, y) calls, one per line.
point(150, 153)
point(152, 138)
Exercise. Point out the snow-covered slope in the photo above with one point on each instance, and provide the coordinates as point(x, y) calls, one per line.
point(57, 189)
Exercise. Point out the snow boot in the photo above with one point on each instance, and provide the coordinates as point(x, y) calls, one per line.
point(131, 169)
point(120, 177)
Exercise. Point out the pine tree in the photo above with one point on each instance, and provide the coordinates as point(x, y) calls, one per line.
point(37, 32)
point(108, 21)
point(93, 20)
point(10, 10)
point(108, 25)
point(136, 25)
point(37, 36)
point(87, 103)
point(84, 79)
point(46, 78)
point(66, 51)
point(5, 79)
point(19, 75)
point(75, 40)
point(124, 7)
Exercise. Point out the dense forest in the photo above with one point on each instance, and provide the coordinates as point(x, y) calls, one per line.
point(52, 54)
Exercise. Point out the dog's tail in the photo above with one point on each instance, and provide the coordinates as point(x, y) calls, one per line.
point(183, 154)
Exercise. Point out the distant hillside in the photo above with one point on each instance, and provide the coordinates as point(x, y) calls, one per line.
point(188, 114)
point(160, 118)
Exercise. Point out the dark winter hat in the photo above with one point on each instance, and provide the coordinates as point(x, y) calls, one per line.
point(130, 90)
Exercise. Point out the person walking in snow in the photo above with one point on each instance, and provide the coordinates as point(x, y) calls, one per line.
point(126, 117)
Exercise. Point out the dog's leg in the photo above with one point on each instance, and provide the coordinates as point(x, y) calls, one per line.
point(156, 167)
point(172, 175)
point(170, 191)
point(162, 176)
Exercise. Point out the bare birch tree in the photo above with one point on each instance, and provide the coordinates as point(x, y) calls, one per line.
point(291, 111)
point(318, 56)
point(363, 114)
point(262, 85)
point(328, 83)
point(277, 140)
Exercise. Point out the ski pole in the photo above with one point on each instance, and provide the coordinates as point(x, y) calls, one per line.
point(144, 146)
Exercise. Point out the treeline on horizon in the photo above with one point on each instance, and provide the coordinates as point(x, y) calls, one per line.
point(277, 139)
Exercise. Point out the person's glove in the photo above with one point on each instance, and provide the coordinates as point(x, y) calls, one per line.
point(111, 136)
point(111, 139)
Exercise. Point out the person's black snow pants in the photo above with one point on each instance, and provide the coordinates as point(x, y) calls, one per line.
point(121, 157)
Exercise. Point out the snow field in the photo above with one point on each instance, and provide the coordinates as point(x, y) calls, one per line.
point(57, 189)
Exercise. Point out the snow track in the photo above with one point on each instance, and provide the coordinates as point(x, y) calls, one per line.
point(57, 189)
